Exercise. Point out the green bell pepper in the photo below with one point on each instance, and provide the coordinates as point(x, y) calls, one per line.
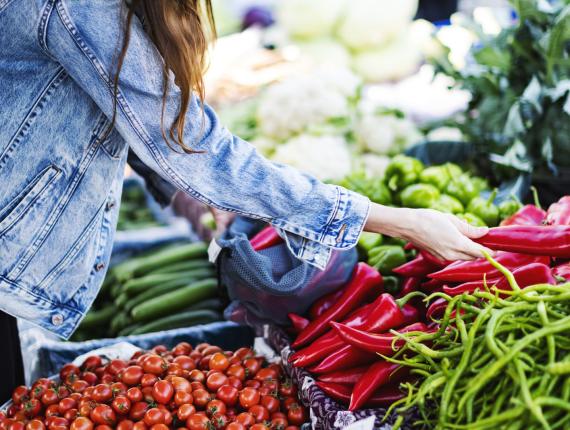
point(373, 188)
point(472, 219)
point(402, 171)
point(448, 204)
point(438, 176)
point(509, 207)
point(419, 196)
point(480, 183)
point(367, 240)
point(485, 209)
point(386, 257)
point(391, 284)
point(453, 170)
point(462, 188)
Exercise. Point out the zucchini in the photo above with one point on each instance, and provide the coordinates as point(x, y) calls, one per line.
point(175, 300)
point(137, 286)
point(184, 266)
point(99, 317)
point(182, 319)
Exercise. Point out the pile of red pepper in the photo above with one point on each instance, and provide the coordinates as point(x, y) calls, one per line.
point(345, 331)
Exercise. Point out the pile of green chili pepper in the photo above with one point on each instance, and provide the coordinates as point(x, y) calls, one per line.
point(499, 359)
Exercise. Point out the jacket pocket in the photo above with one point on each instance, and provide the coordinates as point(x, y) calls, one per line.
point(31, 195)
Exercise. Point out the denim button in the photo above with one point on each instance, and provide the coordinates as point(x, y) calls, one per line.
point(110, 204)
point(99, 267)
point(57, 319)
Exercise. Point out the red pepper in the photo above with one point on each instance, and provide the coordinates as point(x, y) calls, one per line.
point(385, 313)
point(527, 215)
point(298, 322)
point(266, 238)
point(562, 272)
point(418, 267)
point(436, 309)
point(364, 280)
point(559, 213)
point(324, 303)
point(432, 285)
point(377, 343)
point(345, 377)
point(531, 274)
point(410, 285)
point(385, 396)
point(552, 240)
point(344, 358)
point(464, 271)
point(377, 376)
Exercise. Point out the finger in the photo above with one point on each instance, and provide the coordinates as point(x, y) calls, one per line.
point(471, 231)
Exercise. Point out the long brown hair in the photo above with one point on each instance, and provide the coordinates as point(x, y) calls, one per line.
point(177, 29)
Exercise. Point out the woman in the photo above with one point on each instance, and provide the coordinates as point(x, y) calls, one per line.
point(82, 81)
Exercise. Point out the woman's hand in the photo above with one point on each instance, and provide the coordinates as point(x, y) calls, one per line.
point(443, 235)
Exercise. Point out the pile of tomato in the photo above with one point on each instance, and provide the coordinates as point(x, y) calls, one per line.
point(201, 388)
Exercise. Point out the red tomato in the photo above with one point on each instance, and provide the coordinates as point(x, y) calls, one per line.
point(184, 411)
point(35, 425)
point(228, 394)
point(103, 427)
point(197, 376)
point(140, 426)
point(259, 426)
point(211, 349)
point(68, 369)
point(216, 380)
point(174, 369)
point(288, 402)
point(215, 407)
point(235, 426)
point(132, 375)
point(248, 397)
point(66, 404)
point(271, 403)
point(102, 393)
point(52, 411)
point(134, 394)
point(162, 392)
point(103, 414)
point(296, 415)
point(219, 361)
point(259, 412)
point(287, 389)
point(49, 397)
point(243, 353)
point(107, 378)
point(119, 389)
point(153, 416)
point(266, 373)
point(252, 366)
point(58, 422)
point(159, 349)
point(180, 384)
point(125, 425)
point(237, 371)
point(159, 427)
point(198, 422)
point(81, 423)
point(20, 394)
point(121, 405)
point(278, 423)
point(70, 414)
point(115, 367)
point(183, 348)
point(185, 362)
point(89, 377)
point(37, 391)
point(204, 362)
point(235, 382)
point(253, 384)
point(197, 386)
point(183, 397)
point(201, 398)
point(155, 364)
point(92, 362)
point(18, 425)
point(292, 428)
point(32, 408)
point(148, 380)
point(219, 421)
point(79, 386)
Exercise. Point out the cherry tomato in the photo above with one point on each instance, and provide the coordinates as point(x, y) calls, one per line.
point(92, 362)
point(296, 415)
point(155, 364)
point(20, 394)
point(68, 369)
point(159, 349)
point(216, 380)
point(185, 362)
point(204, 362)
point(70, 414)
point(125, 425)
point(243, 353)
point(66, 404)
point(148, 380)
point(235, 382)
point(237, 371)
point(259, 412)
point(279, 423)
point(102, 393)
point(259, 426)
point(107, 379)
point(228, 394)
point(119, 389)
point(266, 373)
point(183, 397)
point(180, 384)
point(185, 411)
point(103, 427)
point(211, 349)
point(271, 403)
point(198, 422)
point(121, 405)
point(35, 425)
point(81, 423)
point(52, 411)
point(103, 414)
point(37, 392)
point(153, 416)
point(196, 386)
point(287, 389)
point(32, 408)
point(49, 397)
point(252, 366)
point(219, 421)
point(89, 377)
point(197, 376)
point(162, 392)
point(219, 361)
point(288, 402)
point(140, 425)
point(86, 408)
point(160, 427)
point(148, 395)
point(18, 425)
point(138, 410)
point(134, 394)
point(215, 407)
point(248, 397)
point(253, 383)
point(78, 386)
point(292, 428)
point(115, 367)
point(201, 398)
point(183, 348)
point(235, 426)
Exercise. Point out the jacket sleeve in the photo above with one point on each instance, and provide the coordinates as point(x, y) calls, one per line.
point(85, 36)
point(160, 189)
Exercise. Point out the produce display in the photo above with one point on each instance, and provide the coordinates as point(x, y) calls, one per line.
point(169, 288)
point(134, 212)
point(199, 388)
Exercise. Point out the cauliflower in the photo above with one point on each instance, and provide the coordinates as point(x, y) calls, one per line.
point(385, 133)
point(396, 60)
point(369, 24)
point(375, 165)
point(325, 157)
point(309, 18)
point(318, 101)
point(325, 52)
point(451, 134)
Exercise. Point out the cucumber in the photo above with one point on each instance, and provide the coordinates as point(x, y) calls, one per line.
point(122, 300)
point(184, 266)
point(99, 317)
point(175, 300)
point(120, 321)
point(129, 329)
point(213, 304)
point(170, 256)
point(137, 286)
point(155, 291)
point(182, 319)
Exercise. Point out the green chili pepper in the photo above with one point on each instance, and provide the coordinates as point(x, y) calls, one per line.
point(448, 204)
point(509, 207)
point(367, 240)
point(386, 257)
point(391, 284)
point(472, 219)
point(485, 209)
point(402, 171)
point(462, 189)
point(419, 196)
point(438, 176)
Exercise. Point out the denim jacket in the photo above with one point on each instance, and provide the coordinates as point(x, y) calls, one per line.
point(61, 181)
